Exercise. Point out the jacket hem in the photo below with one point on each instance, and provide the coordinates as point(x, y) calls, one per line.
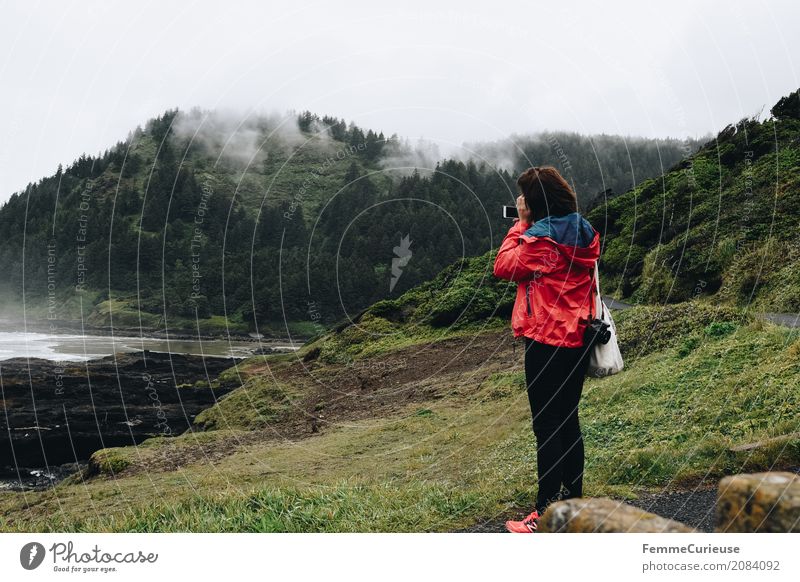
point(541, 340)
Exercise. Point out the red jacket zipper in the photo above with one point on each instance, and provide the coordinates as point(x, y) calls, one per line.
point(528, 298)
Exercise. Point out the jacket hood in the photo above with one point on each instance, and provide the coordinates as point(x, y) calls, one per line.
point(573, 234)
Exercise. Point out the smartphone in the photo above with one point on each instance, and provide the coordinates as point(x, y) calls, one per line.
point(510, 212)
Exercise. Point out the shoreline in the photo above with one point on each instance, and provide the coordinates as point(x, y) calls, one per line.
point(66, 347)
point(76, 327)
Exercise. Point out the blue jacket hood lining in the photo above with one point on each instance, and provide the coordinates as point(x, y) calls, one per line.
point(571, 229)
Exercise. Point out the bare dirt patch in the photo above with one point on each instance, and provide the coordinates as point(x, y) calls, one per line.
point(374, 387)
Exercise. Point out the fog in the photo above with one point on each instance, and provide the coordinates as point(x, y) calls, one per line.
point(78, 77)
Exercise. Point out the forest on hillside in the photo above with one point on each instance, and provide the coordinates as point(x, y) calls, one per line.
point(294, 218)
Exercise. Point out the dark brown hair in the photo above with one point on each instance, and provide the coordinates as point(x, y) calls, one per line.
point(546, 192)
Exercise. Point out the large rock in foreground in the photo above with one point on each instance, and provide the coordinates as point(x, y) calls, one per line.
point(759, 502)
point(746, 503)
point(603, 515)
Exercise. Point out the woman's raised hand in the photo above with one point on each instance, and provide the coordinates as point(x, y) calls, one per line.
point(523, 211)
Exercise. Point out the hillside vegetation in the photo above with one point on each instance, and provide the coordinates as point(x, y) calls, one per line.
point(723, 222)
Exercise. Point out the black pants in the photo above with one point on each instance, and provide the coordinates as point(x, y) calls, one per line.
point(554, 376)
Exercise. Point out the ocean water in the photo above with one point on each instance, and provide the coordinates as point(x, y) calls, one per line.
point(78, 348)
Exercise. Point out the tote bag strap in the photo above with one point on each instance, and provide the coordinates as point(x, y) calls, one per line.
point(598, 298)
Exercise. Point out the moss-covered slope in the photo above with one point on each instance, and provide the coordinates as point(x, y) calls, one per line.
point(723, 221)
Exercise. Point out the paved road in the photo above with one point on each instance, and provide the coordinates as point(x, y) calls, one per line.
point(614, 304)
point(784, 319)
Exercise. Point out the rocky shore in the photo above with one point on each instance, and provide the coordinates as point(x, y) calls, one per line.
point(55, 414)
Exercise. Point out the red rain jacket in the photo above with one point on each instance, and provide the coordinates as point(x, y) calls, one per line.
point(553, 262)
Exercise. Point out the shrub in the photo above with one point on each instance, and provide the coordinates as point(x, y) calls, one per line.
point(720, 328)
point(646, 329)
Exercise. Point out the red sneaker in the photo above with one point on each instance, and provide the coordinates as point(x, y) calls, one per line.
point(528, 525)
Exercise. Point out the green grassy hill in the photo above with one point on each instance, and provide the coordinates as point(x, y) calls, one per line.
point(722, 223)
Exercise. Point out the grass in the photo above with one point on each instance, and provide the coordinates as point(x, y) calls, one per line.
point(675, 415)
point(648, 329)
point(108, 461)
point(375, 335)
point(393, 474)
point(672, 416)
point(384, 507)
point(124, 313)
point(258, 402)
point(464, 299)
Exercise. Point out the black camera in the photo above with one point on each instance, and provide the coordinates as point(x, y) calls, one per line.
point(597, 332)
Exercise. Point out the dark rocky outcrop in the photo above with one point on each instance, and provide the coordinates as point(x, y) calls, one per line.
point(55, 413)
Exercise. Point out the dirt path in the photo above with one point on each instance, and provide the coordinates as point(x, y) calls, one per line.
point(383, 385)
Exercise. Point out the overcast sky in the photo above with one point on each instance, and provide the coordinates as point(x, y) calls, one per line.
point(77, 76)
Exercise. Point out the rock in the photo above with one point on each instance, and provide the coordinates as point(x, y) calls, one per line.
point(61, 412)
point(759, 502)
point(269, 350)
point(602, 515)
point(106, 462)
point(37, 479)
point(265, 351)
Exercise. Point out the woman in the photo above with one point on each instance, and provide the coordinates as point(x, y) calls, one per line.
point(551, 252)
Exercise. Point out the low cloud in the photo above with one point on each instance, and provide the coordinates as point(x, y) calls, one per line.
point(244, 140)
point(401, 158)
